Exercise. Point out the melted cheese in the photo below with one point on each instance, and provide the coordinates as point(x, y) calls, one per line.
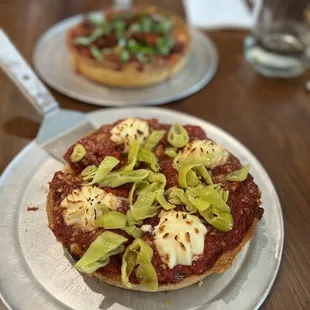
point(214, 154)
point(83, 206)
point(128, 130)
point(147, 228)
point(179, 238)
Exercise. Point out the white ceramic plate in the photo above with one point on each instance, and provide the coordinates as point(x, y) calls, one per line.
point(51, 61)
point(35, 274)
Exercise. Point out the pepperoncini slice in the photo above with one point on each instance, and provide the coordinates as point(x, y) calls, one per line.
point(132, 156)
point(208, 194)
point(158, 178)
point(222, 221)
point(188, 175)
point(139, 254)
point(239, 175)
point(178, 136)
point(131, 221)
point(131, 192)
point(209, 201)
point(184, 175)
point(100, 250)
point(154, 139)
point(133, 231)
point(202, 171)
point(162, 200)
point(112, 220)
point(177, 196)
point(89, 172)
point(108, 163)
point(149, 157)
point(116, 178)
point(143, 207)
point(78, 153)
point(171, 152)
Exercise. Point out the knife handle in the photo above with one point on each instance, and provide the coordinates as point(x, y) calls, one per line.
point(15, 66)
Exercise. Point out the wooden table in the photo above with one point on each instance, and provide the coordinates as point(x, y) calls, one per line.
point(271, 117)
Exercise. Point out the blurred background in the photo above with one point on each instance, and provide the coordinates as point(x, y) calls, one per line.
point(258, 94)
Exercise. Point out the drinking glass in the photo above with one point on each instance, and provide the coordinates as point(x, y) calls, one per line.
point(279, 43)
point(122, 4)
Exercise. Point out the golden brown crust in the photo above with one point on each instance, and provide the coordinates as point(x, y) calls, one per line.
point(49, 209)
point(222, 264)
point(67, 168)
point(128, 76)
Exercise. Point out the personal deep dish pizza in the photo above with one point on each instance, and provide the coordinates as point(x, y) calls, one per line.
point(152, 207)
point(133, 48)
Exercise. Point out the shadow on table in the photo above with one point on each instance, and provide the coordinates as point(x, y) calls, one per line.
point(21, 127)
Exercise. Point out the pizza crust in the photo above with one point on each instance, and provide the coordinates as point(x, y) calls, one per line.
point(223, 263)
point(128, 76)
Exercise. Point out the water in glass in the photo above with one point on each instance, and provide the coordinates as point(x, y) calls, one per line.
point(279, 44)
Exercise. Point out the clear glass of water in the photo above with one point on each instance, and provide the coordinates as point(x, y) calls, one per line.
point(279, 43)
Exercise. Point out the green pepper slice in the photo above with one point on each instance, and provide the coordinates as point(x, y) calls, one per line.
point(178, 136)
point(78, 153)
point(154, 139)
point(100, 250)
point(108, 163)
point(139, 254)
point(239, 175)
point(171, 152)
point(112, 220)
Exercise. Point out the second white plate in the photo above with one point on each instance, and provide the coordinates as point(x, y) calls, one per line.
point(51, 61)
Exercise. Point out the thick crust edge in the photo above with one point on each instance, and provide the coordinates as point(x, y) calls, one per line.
point(222, 264)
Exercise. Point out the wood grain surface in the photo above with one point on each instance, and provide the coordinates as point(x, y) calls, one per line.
point(271, 117)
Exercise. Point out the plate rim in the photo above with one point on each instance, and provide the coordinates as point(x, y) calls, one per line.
point(157, 112)
point(3, 177)
point(112, 103)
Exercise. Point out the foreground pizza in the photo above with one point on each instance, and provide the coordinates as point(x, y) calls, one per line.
point(152, 207)
point(133, 48)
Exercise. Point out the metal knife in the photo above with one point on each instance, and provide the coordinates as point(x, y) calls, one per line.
point(60, 128)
